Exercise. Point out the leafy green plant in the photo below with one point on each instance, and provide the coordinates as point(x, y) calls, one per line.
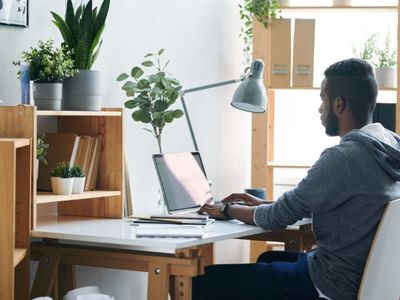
point(264, 11)
point(367, 49)
point(76, 171)
point(48, 63)
point(152, 95)
point(386, 55)
point(41, 149)
point(81, 30)
point(62, 169)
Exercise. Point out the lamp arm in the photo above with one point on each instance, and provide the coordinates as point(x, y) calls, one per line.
point(213, 85)
point(204, 87)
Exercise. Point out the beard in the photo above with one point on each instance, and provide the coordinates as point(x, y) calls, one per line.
point(331, 124)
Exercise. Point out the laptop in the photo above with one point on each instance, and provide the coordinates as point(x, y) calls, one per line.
point(183, 182)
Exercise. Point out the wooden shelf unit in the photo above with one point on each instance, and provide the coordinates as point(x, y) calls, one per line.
point(263, 163)
point(15, 214)
point(106, 201)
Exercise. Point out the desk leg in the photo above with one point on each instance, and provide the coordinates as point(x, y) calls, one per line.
point(66, 279)
point(158, 277)
point(46, 275)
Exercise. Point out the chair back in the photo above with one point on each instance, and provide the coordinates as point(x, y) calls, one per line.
point(381, 277)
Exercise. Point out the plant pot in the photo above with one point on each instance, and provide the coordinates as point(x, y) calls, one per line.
point(82, 92)
point(64, 186)
point(47, 96)
point(386, 77)
point(54, 184)
point(78, 185)
point(284, 3)
point(341, 2)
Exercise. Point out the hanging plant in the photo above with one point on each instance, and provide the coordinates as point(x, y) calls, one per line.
point(264, 11)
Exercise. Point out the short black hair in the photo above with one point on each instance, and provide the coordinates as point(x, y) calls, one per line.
point(353, 80)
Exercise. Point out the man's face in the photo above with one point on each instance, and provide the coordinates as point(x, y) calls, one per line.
point(328, 118)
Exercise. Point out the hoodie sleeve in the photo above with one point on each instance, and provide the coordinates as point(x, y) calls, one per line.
point(326, 186)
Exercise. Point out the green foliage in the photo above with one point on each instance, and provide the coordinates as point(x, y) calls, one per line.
point(41, 149)
point(76, 171)
point(381, 56)
point(152, 95)
point(386, 56)
point(62, 169)
point(81, 30)
point(367, 49)
point(47, 63)
point(264, 11)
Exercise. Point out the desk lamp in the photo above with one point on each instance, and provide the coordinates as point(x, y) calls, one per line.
point(249, 96)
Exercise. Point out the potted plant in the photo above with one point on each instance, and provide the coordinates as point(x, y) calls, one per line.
point(48, 67)
point(81, 30)
point(264, 11)
point(79, 180)
point(367, 49)
point(61, 179)
point(41, 152)
point(151, 96)
point(386, 61)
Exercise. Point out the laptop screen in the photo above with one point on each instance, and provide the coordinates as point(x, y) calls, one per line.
point(183, 180)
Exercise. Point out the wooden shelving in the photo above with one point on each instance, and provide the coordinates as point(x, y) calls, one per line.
point(15, 214)
point(104, 113)
point(48, 197)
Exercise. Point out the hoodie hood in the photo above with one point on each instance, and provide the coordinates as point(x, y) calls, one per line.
point(383, 144)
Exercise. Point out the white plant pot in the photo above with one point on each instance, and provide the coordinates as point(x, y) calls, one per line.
point(341, 2)
point(386, 77)
point(78, 185)
point(47, 96)
point(64, 186)
point(54, 184)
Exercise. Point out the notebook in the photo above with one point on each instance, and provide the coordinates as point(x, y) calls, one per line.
point(183, 182)
point(165, 231)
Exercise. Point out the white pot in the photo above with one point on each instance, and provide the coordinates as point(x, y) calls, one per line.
point(386, 77)
point(47, 96)
point(78, 185)
point(54, 184)
point(341, 2)
point(64, 186)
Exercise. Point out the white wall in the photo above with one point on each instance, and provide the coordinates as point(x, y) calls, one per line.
point(201, 40)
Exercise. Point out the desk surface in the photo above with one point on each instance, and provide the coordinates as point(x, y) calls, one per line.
point(118, 233)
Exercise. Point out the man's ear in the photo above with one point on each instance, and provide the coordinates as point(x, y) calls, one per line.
point(339, 105)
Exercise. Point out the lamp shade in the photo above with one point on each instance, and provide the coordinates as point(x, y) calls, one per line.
point(250, 95)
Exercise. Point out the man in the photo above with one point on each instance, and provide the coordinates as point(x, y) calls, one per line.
point(345, 192)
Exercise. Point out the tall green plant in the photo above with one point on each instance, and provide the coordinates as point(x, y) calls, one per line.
point(81, 30)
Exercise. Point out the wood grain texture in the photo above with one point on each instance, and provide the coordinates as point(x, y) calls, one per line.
point(110, 173)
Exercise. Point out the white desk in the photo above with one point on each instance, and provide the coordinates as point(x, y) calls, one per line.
point(111, 243)
point(119, 234)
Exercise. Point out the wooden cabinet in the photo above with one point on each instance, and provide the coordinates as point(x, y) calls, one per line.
point(15, 214)
point(263, 125)
point(106, 199)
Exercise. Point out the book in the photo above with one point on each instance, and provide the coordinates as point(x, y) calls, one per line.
point(144, 220)
point(182, 216)
point(62, 147)
point(169, 231)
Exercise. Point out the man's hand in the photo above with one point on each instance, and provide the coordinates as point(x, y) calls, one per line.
point(213, 210)
point(244, 199)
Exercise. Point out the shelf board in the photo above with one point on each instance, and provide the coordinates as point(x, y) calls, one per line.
point(78, 113)
point(286, 165)
point(19, 255)
point(18, 142)
point(316, 88)
point(350, 8)
point(48, 197)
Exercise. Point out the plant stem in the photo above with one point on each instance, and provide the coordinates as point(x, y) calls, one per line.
point(159, 142)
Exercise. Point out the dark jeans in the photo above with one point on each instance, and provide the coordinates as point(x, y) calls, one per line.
point(277, 275)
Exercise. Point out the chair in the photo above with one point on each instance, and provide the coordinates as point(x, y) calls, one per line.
point(381, 278)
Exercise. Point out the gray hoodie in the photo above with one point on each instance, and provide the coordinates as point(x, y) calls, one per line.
point(345, 192)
